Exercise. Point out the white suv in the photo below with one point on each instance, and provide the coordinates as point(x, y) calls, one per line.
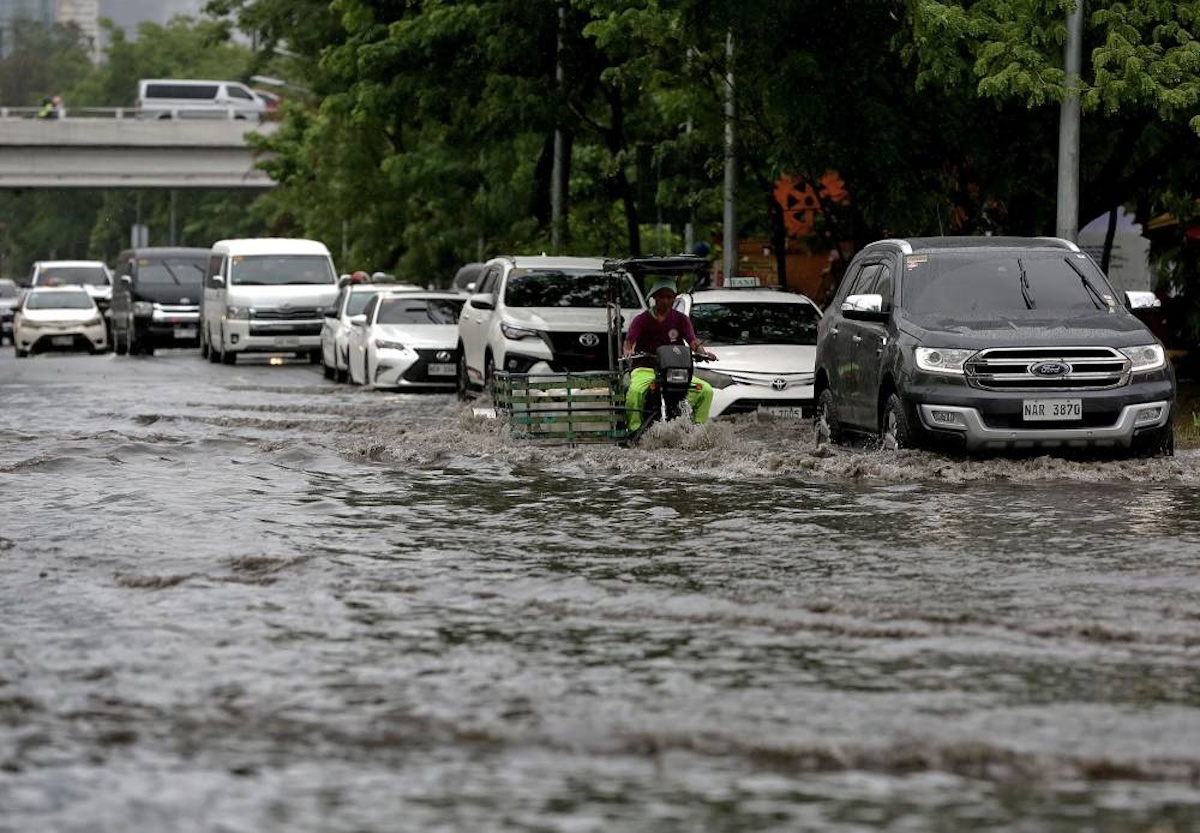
point(540, 314)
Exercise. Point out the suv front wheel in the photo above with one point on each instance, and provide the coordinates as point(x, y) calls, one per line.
point(897, 430)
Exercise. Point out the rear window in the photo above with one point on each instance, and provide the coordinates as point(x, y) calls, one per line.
point(172, 271)
point(8, 290)
point(418, 311)
point(566, 288)
point(755, 323)
point(280, 270)
point(59, 300)
point(67, 275)
point(956, 282)
point(200, 92)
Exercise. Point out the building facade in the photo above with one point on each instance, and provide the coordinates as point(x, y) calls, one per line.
point(86, 15)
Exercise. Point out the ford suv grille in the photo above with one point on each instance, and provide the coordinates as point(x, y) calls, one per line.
point(1047, 369)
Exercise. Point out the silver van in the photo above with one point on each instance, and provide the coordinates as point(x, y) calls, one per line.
point(162, 98)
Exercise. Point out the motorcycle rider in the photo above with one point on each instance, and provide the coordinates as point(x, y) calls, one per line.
point(650, 330)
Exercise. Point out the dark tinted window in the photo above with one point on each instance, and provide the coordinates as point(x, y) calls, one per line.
point(238, 92)
point(418, 311)
point(199, 92)
point(755, 323)
point(278, 270)
point(178, 271)
point(565, 288)
point(985, 282)
point(59, 300)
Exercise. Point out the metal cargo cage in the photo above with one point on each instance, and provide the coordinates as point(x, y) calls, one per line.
point(569, 408)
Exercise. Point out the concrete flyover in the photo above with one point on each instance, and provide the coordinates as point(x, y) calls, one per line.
point(119, 151)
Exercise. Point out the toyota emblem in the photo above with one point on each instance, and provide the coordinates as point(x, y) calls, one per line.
point(779, 384)
point(589, 339)
point(443, 355)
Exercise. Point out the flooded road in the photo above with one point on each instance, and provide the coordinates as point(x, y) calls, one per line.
point(248, 599)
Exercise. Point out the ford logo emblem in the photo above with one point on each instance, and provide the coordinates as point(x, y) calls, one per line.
point(589, 339)
point(443, 355)
point(779, 384)
point(1051, 370)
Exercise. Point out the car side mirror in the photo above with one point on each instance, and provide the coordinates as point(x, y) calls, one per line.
point(867, 307)
point(358, 320)
point(484, 300)
point(217, 280)
point(1137, 299)
point(127, 280)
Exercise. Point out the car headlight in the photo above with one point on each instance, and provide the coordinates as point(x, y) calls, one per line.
point(92, 322)
point(517, 333)
point(237, 312)
point(29, 324)
point(385, 344)
point(1145, 357)
point(143, 309)
point(717, 380)
point(941, 360)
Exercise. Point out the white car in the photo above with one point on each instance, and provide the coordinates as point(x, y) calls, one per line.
point(58, 318)
point(405, 339)
point(540, 314)
point(93, 275)
point(335, 329)
point(765, 341)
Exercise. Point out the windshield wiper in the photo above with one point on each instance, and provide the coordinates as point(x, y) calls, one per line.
point(1025, 285)
point(1100, 301)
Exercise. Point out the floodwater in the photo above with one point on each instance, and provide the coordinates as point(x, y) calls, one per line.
point(248, 599)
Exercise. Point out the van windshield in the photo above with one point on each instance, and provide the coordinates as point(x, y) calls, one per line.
point(279, 270)
point(180, 271)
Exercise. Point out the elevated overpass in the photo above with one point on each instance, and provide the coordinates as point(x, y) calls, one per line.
point(114, 149)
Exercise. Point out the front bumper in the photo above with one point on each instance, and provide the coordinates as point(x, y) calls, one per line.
point(250, 336)
point(76, 337)
point(416, 368)
point(173, 325)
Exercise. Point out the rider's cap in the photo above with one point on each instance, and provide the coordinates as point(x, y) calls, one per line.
point(662, 282)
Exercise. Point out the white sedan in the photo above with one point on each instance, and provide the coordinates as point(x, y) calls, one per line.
point(406, 339)
point(765, 341)
point(58, 318)
point(335, 329)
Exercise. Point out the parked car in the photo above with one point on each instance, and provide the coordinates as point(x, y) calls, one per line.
point(10, 296)
point(989, 343)
point(335, 331)
point(58, 318)
point(766, 344)
point(539, 314)
point(406, 339)
point(265, 295)
point(156, 299)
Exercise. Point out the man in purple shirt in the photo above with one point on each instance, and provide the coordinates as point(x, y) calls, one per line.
point(650, 330)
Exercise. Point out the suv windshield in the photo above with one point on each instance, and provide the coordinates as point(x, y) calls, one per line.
point(279, 270)
point(418, 311)
point(755, 323)
point(957, 282)
point(564, 288)
point(181, 271)
point(65, 275)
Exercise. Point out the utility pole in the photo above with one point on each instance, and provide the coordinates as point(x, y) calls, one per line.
point(1068, 130)
point(729, 239)
point(558, 178)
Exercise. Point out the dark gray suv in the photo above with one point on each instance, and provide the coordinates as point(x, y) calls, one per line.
point(989, 343)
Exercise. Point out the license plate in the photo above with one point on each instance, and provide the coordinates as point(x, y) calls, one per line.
point(781, 411)
point(62, 341)
point(442, 370)
point(1033, 410)
point(280, 341)
point(185, 332)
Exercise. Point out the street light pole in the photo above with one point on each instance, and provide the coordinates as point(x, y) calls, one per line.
point(1068, 130)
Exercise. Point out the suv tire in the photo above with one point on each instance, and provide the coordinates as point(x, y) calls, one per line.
point(897, 431)
point(462, 382)
point(1158, 443)
point(828, 429)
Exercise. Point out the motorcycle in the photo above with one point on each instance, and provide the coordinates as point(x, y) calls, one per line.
point(667, 395)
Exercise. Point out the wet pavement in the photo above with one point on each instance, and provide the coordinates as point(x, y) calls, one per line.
point(248, 599)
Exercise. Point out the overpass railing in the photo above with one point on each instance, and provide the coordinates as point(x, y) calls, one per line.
point(118, 113)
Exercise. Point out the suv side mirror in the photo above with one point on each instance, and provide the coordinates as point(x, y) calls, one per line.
point(483, 300)
point(1135, 299)
point(867, 307)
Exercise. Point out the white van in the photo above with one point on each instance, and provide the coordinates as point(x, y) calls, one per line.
point(265, 295)
point(164, 98)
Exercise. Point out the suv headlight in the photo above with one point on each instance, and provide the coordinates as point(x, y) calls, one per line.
point(942, 360)
point(143, 309)
point(517, 333)
point(1145, 357)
